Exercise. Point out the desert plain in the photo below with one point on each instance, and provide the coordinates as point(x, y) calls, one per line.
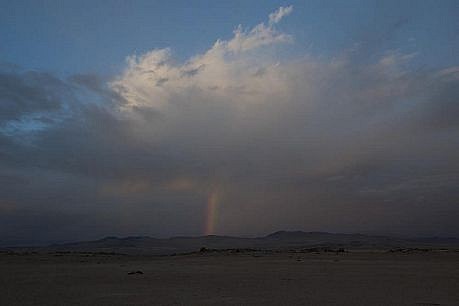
point(250, 277)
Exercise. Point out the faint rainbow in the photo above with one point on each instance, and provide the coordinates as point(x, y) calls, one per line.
point(211, 213)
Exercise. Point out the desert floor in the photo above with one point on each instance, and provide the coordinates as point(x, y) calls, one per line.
point(253, 278)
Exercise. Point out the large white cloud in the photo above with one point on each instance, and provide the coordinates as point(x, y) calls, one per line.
point(228, 67)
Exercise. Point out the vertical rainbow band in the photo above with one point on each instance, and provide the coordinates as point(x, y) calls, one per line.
point(211, 213)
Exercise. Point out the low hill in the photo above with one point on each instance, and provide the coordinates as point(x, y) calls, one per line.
point(281, 240)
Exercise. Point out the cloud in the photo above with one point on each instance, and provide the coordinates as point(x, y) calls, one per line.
point(281, 12)
point(221, 69)
point(308, 142)
point(259, 36)
point(26, 93)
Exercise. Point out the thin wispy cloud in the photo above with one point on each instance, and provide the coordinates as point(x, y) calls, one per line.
point(281, 12)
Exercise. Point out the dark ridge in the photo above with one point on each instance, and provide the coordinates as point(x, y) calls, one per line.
point(280, 240)
point(436, 240)
point(282, 234)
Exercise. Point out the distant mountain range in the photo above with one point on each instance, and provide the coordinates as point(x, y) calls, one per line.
point(282, 240)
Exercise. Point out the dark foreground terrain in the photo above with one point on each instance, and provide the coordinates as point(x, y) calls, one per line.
point(402, 277)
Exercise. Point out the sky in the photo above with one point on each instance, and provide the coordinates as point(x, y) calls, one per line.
point(227, 117)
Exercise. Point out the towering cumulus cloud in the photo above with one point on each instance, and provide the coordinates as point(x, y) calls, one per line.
point(237, 140)
point(229, 68)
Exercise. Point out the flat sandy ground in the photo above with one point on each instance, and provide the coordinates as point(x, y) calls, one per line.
point(354, 278)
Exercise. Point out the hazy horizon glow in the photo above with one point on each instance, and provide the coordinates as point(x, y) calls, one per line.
point(250, 135)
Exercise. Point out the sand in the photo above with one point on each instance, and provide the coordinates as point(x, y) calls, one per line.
point(253, 278)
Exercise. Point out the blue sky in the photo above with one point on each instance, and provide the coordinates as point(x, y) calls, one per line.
point(96, 36)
